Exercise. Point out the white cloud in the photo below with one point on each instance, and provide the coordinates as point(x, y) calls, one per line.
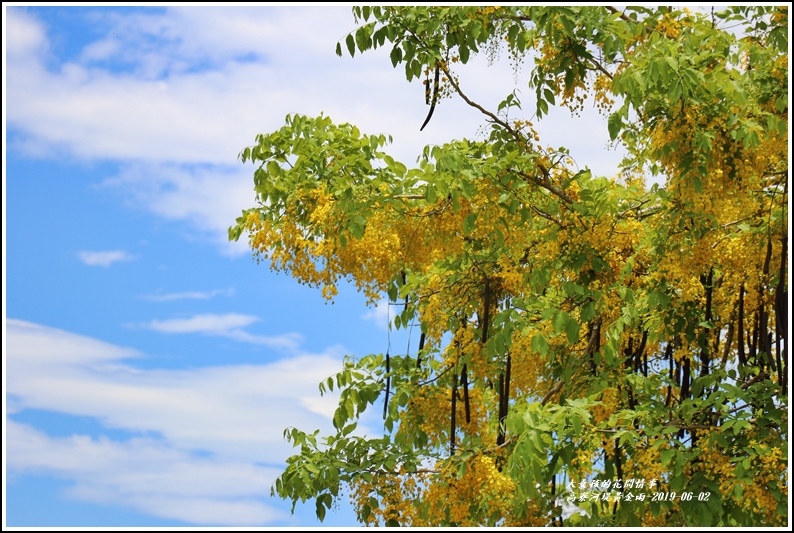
point(213, 427)
point(287, 342)
point(100, 50)
point(208, 198)
point(189, 295)
point(103, 259)
point(25, 36)
point(193, 96)
point(230, 73)
point(227, 325)
point(197, 85)
point(60, 348)
point(234, 408)
point(380, 314)
point(208, 324)
point(148, 475)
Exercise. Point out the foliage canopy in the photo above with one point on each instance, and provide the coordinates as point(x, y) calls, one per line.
point(585, 341)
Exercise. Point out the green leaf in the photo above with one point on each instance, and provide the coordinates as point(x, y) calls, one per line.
point(357, 225)
point(543, 108)
point(430, 194)
point(598, 264)
point(549, 96)
point(339, 418)
point(614, 125)
point(588, 312)
point(392, 292)
point(461, 470)
point(464, 54)
point(576, 422)
point(560, 320)
point(363, 39)
point(350, 41)
point(572, 330)
point(540, 344)
point(396, 55)
point(468, 188)
point(667, 456)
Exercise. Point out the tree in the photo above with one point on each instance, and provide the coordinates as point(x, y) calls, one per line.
point(587, 343)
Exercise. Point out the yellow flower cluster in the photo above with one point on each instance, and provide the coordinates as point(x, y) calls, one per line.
point(557, 251)
point(602, 87)
point(645, 463)
point(391, 241)
point(527, 376)
point(482, 492)
point(609, 402)
point(390, 498)
point(669, 26)
point(767, 467)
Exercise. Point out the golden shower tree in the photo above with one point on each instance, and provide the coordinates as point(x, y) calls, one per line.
point(593, 351)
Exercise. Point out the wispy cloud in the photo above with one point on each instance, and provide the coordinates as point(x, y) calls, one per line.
point(229, 325)
point(380, 314)
point(207, 324)
point(184, 93)
point(149, 475)
point(188, 96)
point(25, 36)
point(189, 295)
point(217, 428)
point(206, 198)
point(103, 259)
point(226, 409)
point(56, 347)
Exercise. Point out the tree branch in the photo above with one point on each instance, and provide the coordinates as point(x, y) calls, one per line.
point(555, 389)
point(619, 13)
point(545, 183)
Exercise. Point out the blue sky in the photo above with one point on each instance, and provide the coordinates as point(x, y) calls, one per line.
point(150, 366)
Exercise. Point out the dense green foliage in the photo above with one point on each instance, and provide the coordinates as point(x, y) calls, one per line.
point(585, 340)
